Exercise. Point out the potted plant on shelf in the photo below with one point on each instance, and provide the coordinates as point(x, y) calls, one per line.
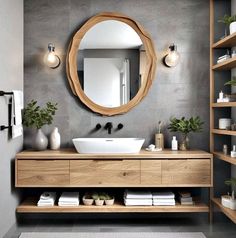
point(109, 200)
point(229, 21)
point(185, 126)
point(98, 198)
point(232, 83)
point(36, 117)
point(88, 199)
point(229, 201)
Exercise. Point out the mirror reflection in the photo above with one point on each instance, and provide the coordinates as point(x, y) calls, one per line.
point(110, 63)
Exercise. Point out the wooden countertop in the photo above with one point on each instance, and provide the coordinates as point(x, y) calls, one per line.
point(71, 153)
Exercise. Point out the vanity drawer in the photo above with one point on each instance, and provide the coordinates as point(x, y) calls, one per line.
point(151, 172)
point(104, 172)
point(194, 172)
point(48, 173)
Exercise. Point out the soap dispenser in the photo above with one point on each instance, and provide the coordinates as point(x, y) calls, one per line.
point(174, 144)
point(233, 152)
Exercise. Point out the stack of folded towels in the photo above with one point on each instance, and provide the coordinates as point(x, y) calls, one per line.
point(47, 199)
point(137, 198)
point(69, 199)
point(163, 198)
point(185, 198)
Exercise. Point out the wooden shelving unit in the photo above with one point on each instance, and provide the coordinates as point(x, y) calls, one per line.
point(226, 158)
point(228, 212)
point(226, 65)
point(224, 132)
point(226, 43)
point(224, 104)
point(30, 206)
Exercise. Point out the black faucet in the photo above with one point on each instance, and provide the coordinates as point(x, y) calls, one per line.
point(108, 127)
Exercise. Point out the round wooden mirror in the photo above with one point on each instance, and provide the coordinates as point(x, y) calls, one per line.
point(111, 63)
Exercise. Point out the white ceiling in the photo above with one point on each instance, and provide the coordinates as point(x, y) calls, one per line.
point(111, 34)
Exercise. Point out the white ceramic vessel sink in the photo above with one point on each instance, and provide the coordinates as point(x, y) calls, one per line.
point(108, 145)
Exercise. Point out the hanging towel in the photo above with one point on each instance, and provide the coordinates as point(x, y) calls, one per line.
point(16, 120)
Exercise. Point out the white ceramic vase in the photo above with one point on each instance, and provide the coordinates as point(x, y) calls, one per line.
point(232, 27)
point(55, 139)
point(40, 141)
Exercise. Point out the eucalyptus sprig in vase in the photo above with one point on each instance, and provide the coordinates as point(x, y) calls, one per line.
point(185, 126)
point(36, 117)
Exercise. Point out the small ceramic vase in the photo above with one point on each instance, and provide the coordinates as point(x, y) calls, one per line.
point(55, 139)
point(232, 27)
point(40, 141)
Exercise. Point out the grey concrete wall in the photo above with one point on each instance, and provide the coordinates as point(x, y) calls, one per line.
point(179, 91)
point(11, 71)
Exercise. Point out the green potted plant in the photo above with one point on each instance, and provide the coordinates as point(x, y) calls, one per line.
point(231, 82)
point(109, 200)
point(229, 201)
point(88, 199)
point(36, 117)
point(98, 198)
point(185, 126)
point(229, 21)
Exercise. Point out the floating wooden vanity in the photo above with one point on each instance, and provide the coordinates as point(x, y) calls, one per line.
point(66, 168)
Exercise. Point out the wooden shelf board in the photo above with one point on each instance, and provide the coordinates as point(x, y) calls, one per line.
point(30, 206)
point(224, 104)
point(226, 65)
point(226, 158)
point(228, 212)
point(227, 42)
point(224, 132)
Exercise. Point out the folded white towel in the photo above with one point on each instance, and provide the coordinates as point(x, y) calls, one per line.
point(68, 204)
point(69, 197)
point(45, 204)
point(16, 120)
point(138, 202)
point(163, 204)
point(167, 194)
point(47, 199)
point(164, 200)
point(137, 194)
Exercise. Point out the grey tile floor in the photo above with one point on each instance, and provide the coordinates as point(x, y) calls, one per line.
point(222, 227)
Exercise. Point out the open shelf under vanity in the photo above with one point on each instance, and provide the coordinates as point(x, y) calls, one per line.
point(30, 206)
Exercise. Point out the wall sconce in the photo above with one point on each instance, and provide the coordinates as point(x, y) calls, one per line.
point(51, 59)
point(172, 58)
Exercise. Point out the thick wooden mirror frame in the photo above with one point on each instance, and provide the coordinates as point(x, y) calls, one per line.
point(71, 63)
